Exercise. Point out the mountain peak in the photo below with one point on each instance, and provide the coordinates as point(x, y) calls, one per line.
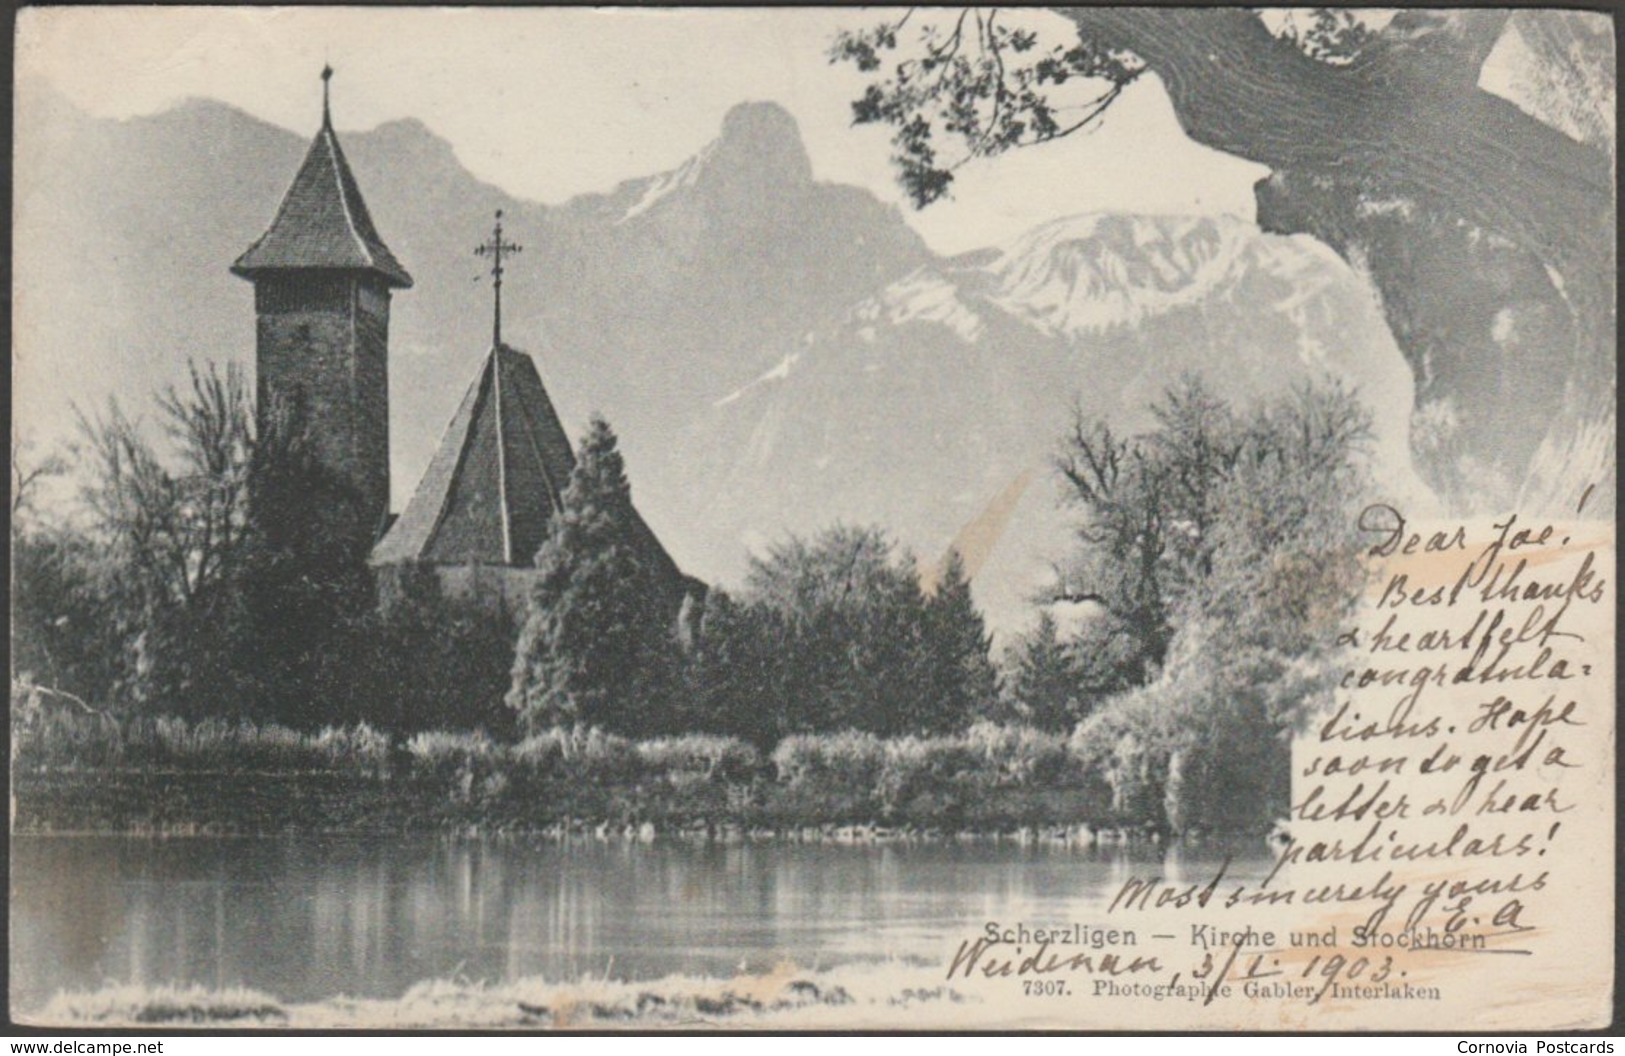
point(763, 122)
point(404, 127)
point(407, 136)
point(757, 158)
point(762, 137)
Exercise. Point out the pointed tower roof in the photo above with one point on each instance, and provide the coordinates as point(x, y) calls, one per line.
point(322, 221)
point(497, 478)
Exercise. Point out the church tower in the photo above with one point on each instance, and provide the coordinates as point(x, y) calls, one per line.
point(322, 282)
point(487, 501)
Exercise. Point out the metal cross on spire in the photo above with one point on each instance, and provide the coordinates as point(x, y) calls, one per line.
point(496, 249)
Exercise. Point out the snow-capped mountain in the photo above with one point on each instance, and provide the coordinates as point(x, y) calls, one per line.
point(775, 352)
point(934, 406)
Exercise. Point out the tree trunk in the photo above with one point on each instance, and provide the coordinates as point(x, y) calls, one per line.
point(1472, 218)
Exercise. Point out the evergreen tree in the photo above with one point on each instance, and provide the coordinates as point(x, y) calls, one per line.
point(960, 676)
point(596, 639)
point(1045, 680)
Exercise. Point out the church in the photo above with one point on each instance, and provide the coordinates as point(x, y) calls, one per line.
point(323, 279)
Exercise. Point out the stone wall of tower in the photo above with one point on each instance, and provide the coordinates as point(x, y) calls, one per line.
point(372, 388)
point(322, 346)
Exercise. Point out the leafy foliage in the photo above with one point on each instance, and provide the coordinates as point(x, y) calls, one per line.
point(848, 608)
point(166, 542)
point(701, 755)
point(435, 661)
point(306, 590)
point(61, 615)
point(840, 772)
point(982, 83)
point(1149, 505)
point(1332, 35)
point(835, 633)
point(222, 575)
point(49, 732)
point(1238, 534)
point(986, 83)
point(1215, 555)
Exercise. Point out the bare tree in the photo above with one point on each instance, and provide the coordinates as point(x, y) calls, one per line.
point(178, 523)
point(27, 474)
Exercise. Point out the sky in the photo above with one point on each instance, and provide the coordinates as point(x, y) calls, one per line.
point(551, 103)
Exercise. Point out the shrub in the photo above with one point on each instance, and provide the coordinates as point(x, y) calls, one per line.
point(468, 763)
point(933, 778)
point(849, 760)
point(580, 753)
point(165, 741)
point(1022, 757)
point(704, 756)
point(1230, 771)
point(540, 753)
point(1127, 744)
point(59, 735)
point(358, 747)
point(435, 747)
point(600, 751)
point(831, 777)
point(47, 732)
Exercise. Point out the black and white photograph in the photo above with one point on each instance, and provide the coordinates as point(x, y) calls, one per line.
point(813, 519)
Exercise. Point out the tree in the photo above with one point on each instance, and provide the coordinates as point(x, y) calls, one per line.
point(306, 589)
point(1044, 684)
point(177, 525)
point(596, 642)
point(28, 475)
point(170, 536)
point(1286, 556)
point(849, 615)
point(59, 612)
point(960, 677)
point(1465, 209)
point(1179, 523)
point(225, 580)
point(1148, 506)
point(1254, 600)
point(734, 680)
point(435, 662)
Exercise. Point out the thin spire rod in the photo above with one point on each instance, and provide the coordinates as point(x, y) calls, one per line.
point(327, 76)
point(496, 249)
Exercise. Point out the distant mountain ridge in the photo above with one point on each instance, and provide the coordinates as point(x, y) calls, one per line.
point(955, 383)
point(776, 353)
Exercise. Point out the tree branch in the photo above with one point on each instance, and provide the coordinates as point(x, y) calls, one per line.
point(1237, 88)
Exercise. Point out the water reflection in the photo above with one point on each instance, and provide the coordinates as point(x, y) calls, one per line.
point(310, 917)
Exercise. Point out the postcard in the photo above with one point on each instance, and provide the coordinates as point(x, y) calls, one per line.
point(813, 519)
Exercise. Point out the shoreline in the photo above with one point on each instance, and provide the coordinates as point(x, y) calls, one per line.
point(193, 803)
point(184, 804)
point(786, 991)
point(844, 835)
point(169, 778)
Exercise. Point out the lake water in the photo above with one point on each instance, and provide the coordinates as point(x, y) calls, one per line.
point(307, 917)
